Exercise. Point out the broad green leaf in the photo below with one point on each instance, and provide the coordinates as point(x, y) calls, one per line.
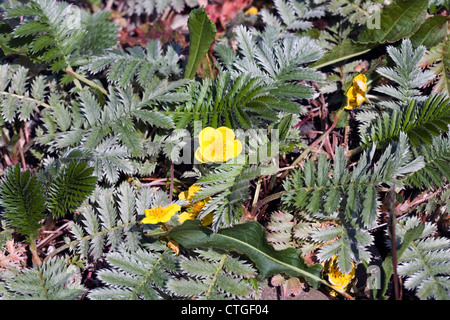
point(346, 50)
point(398, 20)
point(387, 266)
point(249, 239)
point(444, 79)
point(202, 32)
point(431, 32)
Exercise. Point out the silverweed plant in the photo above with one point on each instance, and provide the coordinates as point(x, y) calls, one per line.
point(217, 149)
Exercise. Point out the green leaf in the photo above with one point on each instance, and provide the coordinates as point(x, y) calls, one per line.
point(22, 197)
point(154, 118)
point(284, 126)
point(128, 135)
point(53, 280)
point(430, 33)
point(72, 185)
point(249, 239)
point(202, 32)
point(398, 20)
point(387, 266)
point(445, 76)
point(346, 50)
point(29, 28)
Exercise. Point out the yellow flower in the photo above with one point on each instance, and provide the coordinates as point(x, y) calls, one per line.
point(190, 193)
point(208, 219)
point(194, 208)
point(174, 246)
point(339, 281)
point(160, 214)
point(186, 216)
point(217, 145)
point(251, 11)
point(356, 95)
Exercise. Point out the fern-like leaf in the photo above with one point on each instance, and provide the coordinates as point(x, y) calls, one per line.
point(20, 96)
point(53, 280)
point(279, 230)
point(60, 31)
point(139, 274)
point(71, 186)
point(405, 73)
point(426, 262)
point(350, 198)
point(137, 63)
point(420, 120)
point(213, 276)
point(293, 15)
point(109, 219)
point(23, 200)
point(437, 164)
point(228, 186)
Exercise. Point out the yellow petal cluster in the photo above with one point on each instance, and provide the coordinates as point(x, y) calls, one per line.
point(160, 214)
point(356, 95)
point(217, 145)
point(338, 280)
point(251, 11)
point(194, 208)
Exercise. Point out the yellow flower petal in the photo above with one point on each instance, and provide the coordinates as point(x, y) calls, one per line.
point(170, 211)
point(356, 94)
point(160, 214)
point(209, 153)
point(360, 86)
point(217, 145)
point(183, 195)
point(149, 220)
point(237, 148)
point(186, 216)
point(226, 134)
point(338, 280)
point(360, 82)
point(206, 136)
point(360, 98)
point(208, 219)
point(198, 155)
point(174, 246)
point(251, 11)
point(193, 190)
point(350, 99)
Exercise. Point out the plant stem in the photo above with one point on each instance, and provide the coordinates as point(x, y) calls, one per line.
point(354, 152)
point(171, 182)
point(90, 83)
point(26, 98)
point(22, 156)
point(391, 201)
point(262, 202)
point(71, 72)
point(257, 190)
point(35, 257)
point(214, 280)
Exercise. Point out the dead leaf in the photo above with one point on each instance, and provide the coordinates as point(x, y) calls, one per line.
point(224, 10)
point(13, 257)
